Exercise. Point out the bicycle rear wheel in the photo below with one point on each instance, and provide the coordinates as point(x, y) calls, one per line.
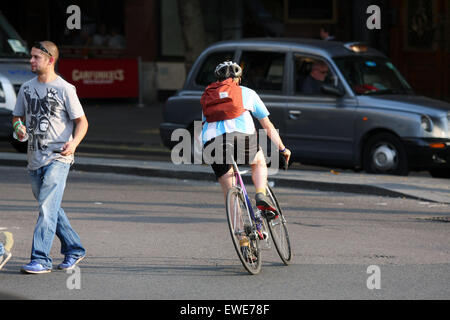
point(278, 230)
point(242, 227)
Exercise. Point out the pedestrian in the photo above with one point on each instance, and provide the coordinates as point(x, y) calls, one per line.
point(55, 124)
point(326, 33)
point(5, 249)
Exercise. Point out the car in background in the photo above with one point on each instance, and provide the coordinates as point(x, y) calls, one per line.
point(364, 114)
point(14, 70)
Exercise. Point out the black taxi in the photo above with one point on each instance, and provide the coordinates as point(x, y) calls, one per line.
point(335, 104)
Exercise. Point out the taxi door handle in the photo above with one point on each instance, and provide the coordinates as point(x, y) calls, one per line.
point(294, 114)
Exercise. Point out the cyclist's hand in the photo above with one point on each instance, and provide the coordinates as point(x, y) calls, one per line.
point(285, 157)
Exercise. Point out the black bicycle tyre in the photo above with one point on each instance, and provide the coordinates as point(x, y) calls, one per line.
point(285, 255)
point(252, 268)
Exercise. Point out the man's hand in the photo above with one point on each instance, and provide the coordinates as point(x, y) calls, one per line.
point(18, 127)
point(21, 130)
point(69, 148)
point(81, 126)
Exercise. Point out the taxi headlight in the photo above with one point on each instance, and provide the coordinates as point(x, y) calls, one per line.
point(426, 123)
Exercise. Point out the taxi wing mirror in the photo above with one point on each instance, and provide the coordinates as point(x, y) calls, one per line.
point(333, 90)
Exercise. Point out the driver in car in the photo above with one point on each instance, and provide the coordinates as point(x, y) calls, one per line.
point(313, 82)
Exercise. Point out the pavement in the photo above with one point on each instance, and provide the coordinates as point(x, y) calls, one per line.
point(123, 137)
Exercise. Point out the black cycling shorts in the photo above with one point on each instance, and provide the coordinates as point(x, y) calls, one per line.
point(245, 148)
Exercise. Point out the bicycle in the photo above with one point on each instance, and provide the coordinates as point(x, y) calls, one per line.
point(245, 223)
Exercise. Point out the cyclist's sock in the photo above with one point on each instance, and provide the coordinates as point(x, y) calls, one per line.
point(261, 190)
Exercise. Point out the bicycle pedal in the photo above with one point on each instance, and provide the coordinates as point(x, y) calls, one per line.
point(270, 215)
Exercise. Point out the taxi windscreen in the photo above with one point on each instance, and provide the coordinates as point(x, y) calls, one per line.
point(372, 75)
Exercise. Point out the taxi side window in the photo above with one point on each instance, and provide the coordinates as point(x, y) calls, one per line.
point(205, 75)
point(310, 74)
point(263, 71)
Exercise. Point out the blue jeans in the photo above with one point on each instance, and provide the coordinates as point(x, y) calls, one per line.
point(2, 249)
point(48, 184)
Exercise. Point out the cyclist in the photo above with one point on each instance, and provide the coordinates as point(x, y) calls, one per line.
point(226, 117)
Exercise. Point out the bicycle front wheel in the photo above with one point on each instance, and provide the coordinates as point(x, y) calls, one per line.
point(243, 231)
point(278, 230)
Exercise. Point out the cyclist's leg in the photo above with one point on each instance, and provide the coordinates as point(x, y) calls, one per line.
point(226, 181)
point(259, 176)
point(221, 166)
point(259, 172)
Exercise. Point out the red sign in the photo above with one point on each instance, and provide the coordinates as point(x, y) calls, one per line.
point(102, 78)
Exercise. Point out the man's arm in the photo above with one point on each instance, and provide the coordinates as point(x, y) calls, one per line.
point(272, 133)
point(81, 127)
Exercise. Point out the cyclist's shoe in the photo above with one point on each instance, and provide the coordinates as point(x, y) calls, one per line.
point(269, 215)
point(264, 204)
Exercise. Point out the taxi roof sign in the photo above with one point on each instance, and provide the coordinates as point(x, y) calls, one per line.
point(356, 47)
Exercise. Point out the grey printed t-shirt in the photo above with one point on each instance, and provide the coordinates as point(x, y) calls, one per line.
point(49, 110)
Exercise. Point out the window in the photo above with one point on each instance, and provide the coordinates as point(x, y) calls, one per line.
point(372, 75)
point(11, 45)
point(263, 71)
point(309, 74)
point(206, 74)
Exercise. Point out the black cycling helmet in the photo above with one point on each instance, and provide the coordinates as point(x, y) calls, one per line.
point(228, 69)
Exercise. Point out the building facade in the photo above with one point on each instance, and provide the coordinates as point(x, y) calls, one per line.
point(415, 34)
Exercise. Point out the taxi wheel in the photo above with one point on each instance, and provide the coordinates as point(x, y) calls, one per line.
point(384, 154)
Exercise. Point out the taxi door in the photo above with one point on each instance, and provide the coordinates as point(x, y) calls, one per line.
point(319, 125)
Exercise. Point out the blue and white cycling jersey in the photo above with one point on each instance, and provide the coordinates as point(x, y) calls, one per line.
point(243, 123)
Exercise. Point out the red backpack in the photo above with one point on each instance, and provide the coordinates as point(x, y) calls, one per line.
point(222, 101)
